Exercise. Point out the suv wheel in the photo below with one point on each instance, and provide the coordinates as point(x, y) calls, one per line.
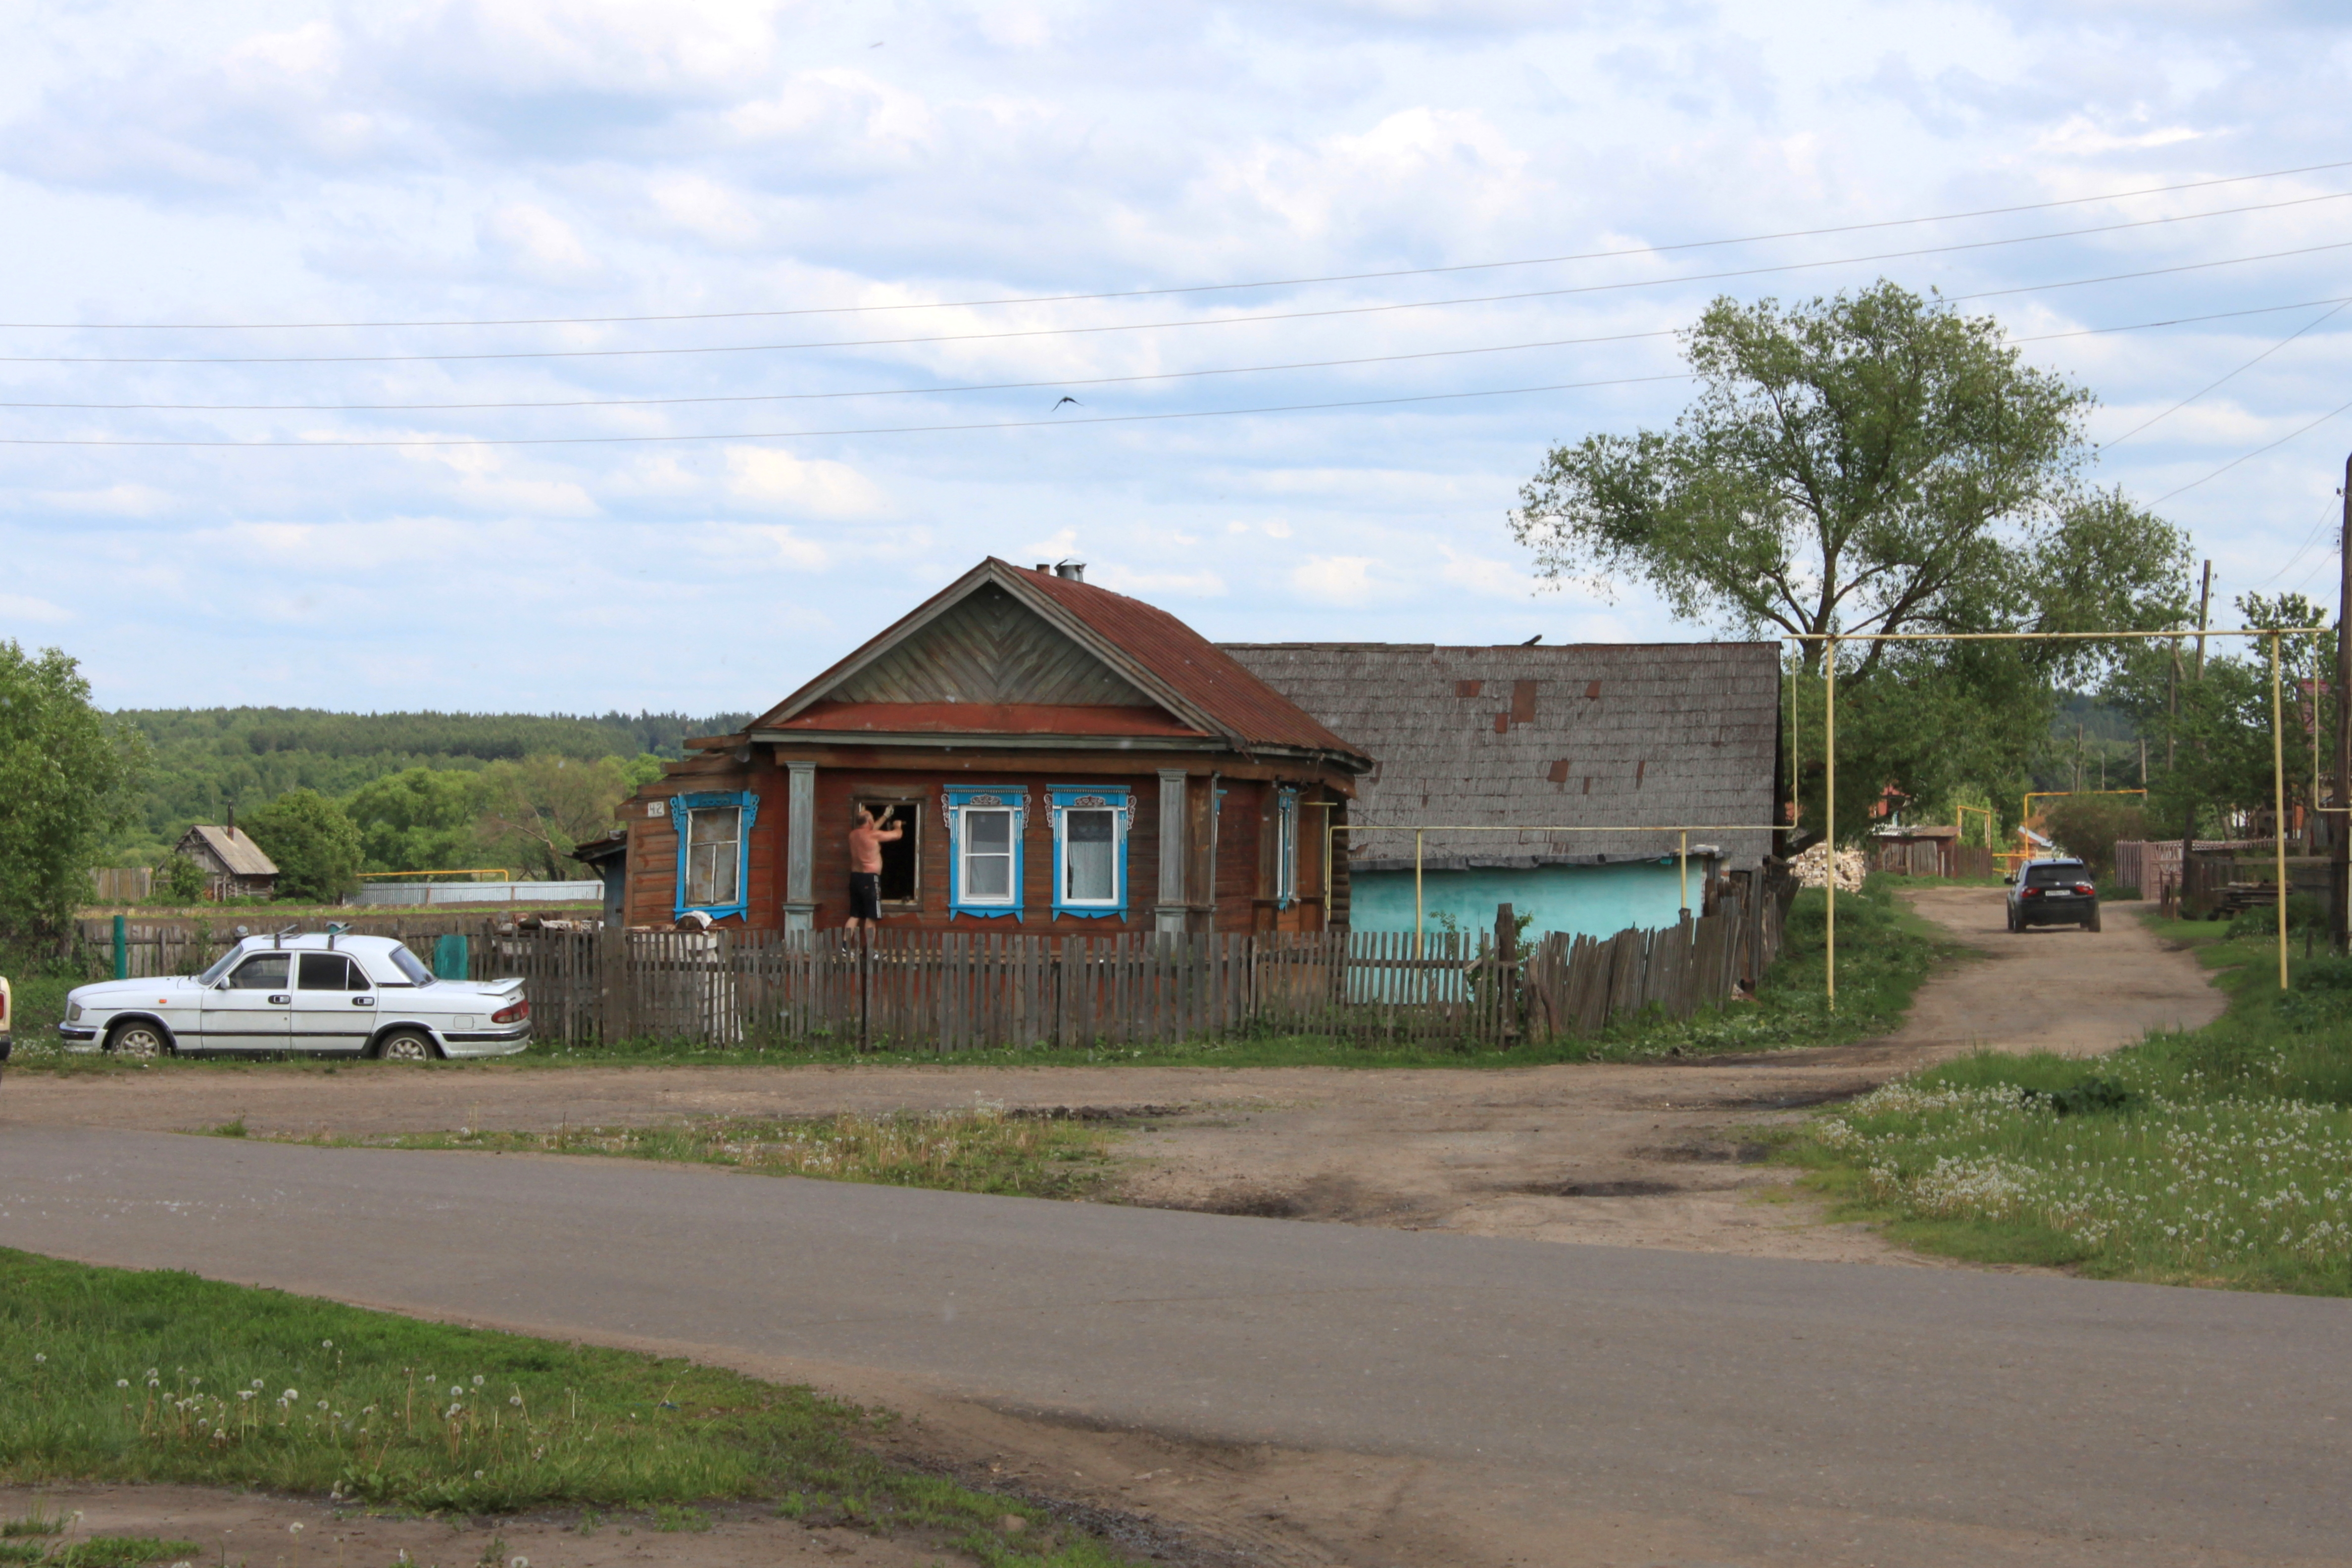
point(2093, 924)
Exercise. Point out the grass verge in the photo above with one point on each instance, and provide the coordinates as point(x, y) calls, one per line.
point(1885, 951)
point(2214, 1156)
point(112, 1375)
point(979, 1151)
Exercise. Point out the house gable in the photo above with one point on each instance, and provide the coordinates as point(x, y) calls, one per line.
point(989, 649)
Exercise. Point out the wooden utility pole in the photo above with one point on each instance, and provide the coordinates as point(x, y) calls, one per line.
point(2339, 881)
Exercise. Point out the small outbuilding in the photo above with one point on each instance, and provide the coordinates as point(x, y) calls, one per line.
point(1555, 780)
point(234, 864)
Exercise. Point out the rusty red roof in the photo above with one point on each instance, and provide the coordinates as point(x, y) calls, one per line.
point(1205, 691)
point(984, 718)
point(1199, 671)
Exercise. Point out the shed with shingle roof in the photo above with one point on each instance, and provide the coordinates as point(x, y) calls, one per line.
point(234, 864)
point(1537, 740)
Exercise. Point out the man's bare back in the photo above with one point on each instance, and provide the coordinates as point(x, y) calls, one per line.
point(866, 837)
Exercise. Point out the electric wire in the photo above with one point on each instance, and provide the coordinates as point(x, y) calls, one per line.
point(1196, 288)
point(873, 430)
point(2108, 446)
point(1382, 308)
point(2271, 445)
point(523, 405)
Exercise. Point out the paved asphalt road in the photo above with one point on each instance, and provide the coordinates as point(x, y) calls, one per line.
point(2211, 1423)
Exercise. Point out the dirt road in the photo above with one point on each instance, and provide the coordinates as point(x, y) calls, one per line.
point(1645, 1154)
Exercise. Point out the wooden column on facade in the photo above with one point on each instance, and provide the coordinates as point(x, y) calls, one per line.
point(1175, 809)
point(799, 846)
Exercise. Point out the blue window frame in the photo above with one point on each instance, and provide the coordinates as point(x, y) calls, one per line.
point(984, 829)
point(1286, 847)
point(714, 851)
point(1090, 826)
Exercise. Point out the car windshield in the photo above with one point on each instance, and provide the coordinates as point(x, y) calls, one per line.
point(2053, 876)
point(405, 962)
point(220, 967)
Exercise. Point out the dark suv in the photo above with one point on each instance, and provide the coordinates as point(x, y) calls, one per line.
point(2053, 892)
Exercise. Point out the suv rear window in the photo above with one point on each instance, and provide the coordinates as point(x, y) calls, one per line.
point(2055, 876)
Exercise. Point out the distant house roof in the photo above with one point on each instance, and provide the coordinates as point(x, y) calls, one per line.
point(1005, 650)
point(1587, 735)
point(238, 855)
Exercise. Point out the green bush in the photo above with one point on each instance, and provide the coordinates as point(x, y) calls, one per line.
point(2304, 912)
point(314, 844)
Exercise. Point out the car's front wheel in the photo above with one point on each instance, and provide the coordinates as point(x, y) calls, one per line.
point(137, 1041)
point(406, 1046)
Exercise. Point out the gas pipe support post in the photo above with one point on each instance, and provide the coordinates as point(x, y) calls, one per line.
point(2278, 804)
point(1681, 866)
point(1829, 824)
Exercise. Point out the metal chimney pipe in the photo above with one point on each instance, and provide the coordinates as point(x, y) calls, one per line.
point(1075, 571)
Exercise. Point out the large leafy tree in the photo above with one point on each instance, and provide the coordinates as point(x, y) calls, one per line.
point(537, 811)
point(67, 779)
point(1875, 462)
point(314, 844)
point(419, 819)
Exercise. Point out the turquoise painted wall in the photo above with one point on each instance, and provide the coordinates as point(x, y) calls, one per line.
point(1583, 900)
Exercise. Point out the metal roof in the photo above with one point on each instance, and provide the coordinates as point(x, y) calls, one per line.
point(1203, 688)
point(1583, 735)
point(238, 854)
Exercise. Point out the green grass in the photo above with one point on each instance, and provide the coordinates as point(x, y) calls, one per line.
point(2214, 1156)
point(112, 1376)
point(1883, 953)
point(978, 1151)
point(97, 1550)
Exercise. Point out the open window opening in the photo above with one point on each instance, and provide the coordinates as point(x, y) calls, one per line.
point(902, 858)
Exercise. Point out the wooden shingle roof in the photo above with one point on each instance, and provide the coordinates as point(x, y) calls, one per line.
point(1588, 735)
point(238, 855)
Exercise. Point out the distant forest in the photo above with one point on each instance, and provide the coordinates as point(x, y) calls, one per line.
point(206, 760)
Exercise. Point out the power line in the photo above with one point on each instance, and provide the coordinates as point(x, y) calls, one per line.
point(1193, 287)
point(509, 406)
point(875, 430)
point(2255, 453)
point(2201, 391)
point(1205, 320)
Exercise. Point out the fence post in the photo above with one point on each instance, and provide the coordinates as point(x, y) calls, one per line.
point(121, 951)
point(1507, 975)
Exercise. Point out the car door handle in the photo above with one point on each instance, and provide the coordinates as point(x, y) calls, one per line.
point(281, 1001)
point(363, 1001)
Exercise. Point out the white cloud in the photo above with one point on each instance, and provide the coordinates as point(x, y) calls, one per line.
point(769, 476)
point(1336, 579)
point(1149, 585)
point(24, 608)
point(537, 243)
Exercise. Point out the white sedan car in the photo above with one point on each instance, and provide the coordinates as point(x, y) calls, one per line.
point(346, 995)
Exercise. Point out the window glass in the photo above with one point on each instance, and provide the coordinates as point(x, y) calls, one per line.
point(2054, 876)
point(262, 972)
point(407, 963)
point(988, 856)
point(1286, 850)
point(323, 971)
point(1089, 857)
point(712, 864)
point(220, 967)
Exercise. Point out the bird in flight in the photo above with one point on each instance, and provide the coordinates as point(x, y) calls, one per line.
point(1058, 405)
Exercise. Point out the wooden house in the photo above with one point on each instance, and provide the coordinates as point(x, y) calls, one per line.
point(234, 864)
point(1062, 758)
point(1555, 780)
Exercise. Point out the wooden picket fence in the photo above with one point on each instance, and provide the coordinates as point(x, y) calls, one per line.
point(957, 991)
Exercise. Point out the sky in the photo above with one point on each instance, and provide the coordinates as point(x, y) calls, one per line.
point(700, 341)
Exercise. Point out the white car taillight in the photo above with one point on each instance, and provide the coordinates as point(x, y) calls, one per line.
point(514, 1014)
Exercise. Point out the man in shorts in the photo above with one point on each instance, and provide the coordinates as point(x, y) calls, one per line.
point(865, 841)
